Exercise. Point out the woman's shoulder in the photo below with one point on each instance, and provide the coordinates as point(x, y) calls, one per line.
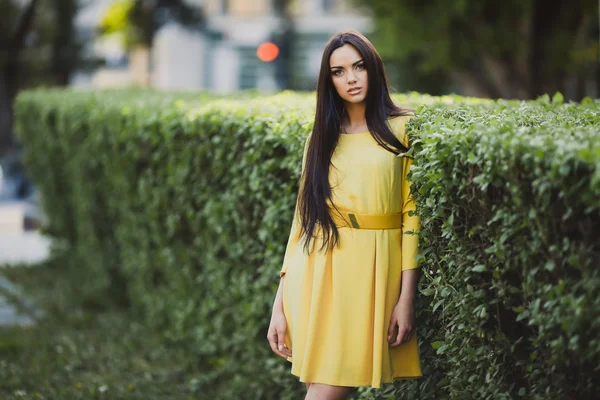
point(408, 114)
point(398, 126)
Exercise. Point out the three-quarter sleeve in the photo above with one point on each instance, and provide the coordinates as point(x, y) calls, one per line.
point(294, 236)
point(412, 222)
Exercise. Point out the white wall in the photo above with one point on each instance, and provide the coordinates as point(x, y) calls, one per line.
point(178, 57)
point(226, 69)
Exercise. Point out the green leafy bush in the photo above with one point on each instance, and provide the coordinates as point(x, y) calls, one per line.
point(180, 205)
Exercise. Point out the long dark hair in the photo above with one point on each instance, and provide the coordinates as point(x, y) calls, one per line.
point(314, 182)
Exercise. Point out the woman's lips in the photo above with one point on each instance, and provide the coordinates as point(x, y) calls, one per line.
point(355, 90)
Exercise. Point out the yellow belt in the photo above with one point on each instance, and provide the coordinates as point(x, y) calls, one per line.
point(366, 221)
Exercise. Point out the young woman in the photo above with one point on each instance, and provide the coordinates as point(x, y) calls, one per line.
point(344, 312)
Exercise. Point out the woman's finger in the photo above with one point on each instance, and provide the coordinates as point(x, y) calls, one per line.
point(392, 328)
point(287, 351)
point(407, 335)
point(272, 338)
point(398, 338)
point(280, 336)
point(404, 337)
point(273, 342)
point(281, 346)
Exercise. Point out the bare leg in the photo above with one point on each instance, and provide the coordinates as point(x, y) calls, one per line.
point(319, 391)
point(307, 386)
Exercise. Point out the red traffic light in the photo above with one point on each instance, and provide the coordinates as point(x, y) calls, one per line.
point(267, 51)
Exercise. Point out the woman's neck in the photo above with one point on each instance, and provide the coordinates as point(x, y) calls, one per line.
point(355, 115)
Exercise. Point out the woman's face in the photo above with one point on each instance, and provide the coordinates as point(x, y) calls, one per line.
point(349, 74)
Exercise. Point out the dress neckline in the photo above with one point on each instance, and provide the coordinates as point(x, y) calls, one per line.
point(354, 134)
point(365, 133)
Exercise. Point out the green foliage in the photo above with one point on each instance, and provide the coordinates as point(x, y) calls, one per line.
point(509, 193)
point(180, 204)
point(38, 46)
point(116, 19)
point(509, 49)
point(78, 353)
point(52, 49)
point(137, 21)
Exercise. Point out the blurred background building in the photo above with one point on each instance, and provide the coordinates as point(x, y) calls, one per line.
point(222, 55)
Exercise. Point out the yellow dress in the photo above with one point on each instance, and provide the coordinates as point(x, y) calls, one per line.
point(338, 302)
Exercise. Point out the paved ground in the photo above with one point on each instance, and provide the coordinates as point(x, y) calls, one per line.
point(8, 312)
point(17, 246)
point(26, 247)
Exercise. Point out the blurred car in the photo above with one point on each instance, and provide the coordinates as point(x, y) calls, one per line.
point(14, 182)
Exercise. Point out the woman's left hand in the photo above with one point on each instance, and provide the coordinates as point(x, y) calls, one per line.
point(403, 317)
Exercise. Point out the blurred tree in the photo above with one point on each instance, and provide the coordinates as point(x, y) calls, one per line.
point(511, 49)
point(16, 23)
point(37, 46)
point(66, 47)
point(285, 38)
point(138, 21)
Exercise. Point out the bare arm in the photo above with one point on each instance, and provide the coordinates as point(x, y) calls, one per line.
point(278, 302)
point(408, 292)
point(278, 326)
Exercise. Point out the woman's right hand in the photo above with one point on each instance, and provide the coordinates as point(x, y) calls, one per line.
point(276, 334)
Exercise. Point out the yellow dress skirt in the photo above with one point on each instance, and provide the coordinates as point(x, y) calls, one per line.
point(338, 301)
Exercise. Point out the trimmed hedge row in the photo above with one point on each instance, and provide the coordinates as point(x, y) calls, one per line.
point(510, 198)
point(180, 205)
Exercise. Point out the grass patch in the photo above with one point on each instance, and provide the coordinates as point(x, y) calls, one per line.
point(74, 352)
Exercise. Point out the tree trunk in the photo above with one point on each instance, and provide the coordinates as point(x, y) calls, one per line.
point(64, 47)
point(9, 71)
point(285, 39)
point(547, 15)
point(7, 94)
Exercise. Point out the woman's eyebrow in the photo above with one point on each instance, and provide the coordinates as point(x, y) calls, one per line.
point(337, 66)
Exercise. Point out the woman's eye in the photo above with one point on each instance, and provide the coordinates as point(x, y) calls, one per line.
point(336, 72)
point(360, 66)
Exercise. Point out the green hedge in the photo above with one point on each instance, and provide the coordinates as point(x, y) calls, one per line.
point(180, 205)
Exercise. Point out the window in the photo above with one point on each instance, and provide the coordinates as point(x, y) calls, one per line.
point(248, 8)
point(327, 5)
